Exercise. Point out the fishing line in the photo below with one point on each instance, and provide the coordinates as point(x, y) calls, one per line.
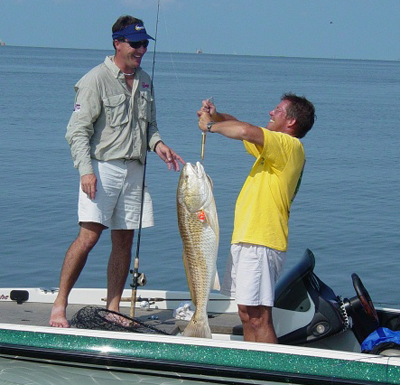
point(172, 59)
point(135, 270)
point(184, 92)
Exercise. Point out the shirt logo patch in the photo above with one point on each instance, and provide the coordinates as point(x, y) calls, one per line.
point(77, 107)
point(145, 85)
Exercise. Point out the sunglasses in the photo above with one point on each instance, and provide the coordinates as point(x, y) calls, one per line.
point(138, 44)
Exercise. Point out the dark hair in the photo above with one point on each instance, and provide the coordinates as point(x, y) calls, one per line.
point(124, 21)
point(302, 110)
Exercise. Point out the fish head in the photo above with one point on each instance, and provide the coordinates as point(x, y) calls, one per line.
point(194, 187)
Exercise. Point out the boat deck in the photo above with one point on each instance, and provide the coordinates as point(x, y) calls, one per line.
point(31, 313)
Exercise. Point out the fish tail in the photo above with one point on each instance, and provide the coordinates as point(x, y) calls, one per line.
point(198, 328)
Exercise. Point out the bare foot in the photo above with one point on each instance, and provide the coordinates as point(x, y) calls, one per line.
point(58, 317)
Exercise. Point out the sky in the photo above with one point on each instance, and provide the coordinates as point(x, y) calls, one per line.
point(343, 29)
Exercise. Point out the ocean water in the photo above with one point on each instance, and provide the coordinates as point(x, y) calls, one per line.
point(347, 210)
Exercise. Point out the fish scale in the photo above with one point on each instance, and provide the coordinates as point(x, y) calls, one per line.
point(199, 230)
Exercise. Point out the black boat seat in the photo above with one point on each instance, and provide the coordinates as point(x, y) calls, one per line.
point(290, 292)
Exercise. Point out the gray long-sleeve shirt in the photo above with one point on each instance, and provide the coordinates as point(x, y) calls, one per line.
point(109, 122)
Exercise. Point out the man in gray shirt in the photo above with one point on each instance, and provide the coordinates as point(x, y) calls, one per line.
point(112, 127)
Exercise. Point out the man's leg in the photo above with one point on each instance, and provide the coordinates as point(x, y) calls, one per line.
point(118, 266)
point(257, 323)
point(75, 260)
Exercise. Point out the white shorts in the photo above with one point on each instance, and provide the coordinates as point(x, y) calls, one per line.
point(251, 274)
point(118, 196)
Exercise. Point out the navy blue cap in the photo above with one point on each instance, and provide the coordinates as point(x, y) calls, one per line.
point(133, 32)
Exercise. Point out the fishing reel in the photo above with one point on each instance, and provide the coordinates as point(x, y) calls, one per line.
point(138, 279)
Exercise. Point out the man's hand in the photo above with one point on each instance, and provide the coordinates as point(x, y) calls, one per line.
point(208, 107)
point(88, 185)
point(169, 156)
point(204, 118)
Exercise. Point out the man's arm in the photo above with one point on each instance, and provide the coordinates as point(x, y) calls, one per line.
point(209, 107)
point(79, 131)
point(230, 127)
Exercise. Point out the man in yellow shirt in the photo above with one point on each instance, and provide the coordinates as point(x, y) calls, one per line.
point(260, 234)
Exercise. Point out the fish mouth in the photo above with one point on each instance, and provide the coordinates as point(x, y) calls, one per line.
point(195, 187)
point(196, 169)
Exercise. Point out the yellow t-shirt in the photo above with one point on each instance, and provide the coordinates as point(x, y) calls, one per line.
point(263, 205)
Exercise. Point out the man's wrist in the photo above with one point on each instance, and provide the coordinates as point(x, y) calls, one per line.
point(157, 143)
point(209, 126)
point(215, 117)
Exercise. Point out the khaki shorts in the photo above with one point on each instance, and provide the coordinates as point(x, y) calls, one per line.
point(118, 196)
point(251, 274)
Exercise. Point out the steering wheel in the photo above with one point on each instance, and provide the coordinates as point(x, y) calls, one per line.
point(365, 298)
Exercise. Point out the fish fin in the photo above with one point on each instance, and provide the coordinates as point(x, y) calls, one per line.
point(217, 285)
point(211, 217)
point(198, 328)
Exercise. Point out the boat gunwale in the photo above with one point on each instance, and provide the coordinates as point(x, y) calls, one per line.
point(179, 340)
point(166, 368)
point(283, 361)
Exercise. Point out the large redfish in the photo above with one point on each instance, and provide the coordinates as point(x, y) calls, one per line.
point(199, 229)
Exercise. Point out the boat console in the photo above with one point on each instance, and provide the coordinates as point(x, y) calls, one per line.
point(300, 292)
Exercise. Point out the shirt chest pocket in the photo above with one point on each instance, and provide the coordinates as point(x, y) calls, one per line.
point(144, 102)
point(117, 110)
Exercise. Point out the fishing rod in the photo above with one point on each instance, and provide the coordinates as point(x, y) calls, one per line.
point(137, 278)
point(161, 299)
